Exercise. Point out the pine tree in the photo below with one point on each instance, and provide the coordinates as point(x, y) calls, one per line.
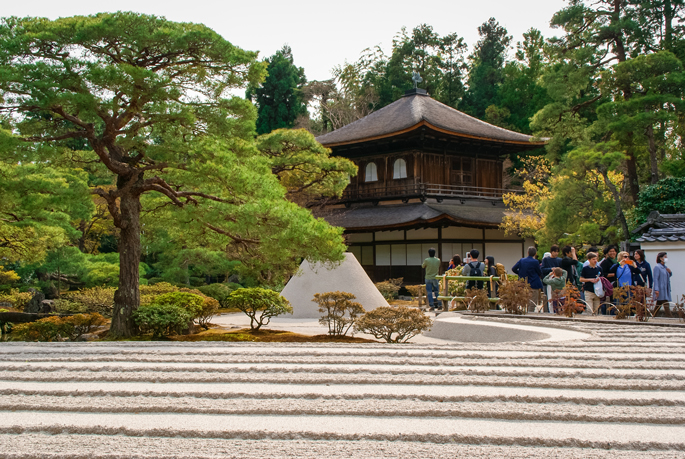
point(487, 68)
point(279, 99)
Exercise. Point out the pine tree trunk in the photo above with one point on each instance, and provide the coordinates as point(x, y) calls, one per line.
point(653, 161)
point(127, 296)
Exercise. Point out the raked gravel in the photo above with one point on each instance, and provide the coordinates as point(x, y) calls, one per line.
point(619, 392)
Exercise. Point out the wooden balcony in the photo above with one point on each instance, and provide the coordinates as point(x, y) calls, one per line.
point(422, 191)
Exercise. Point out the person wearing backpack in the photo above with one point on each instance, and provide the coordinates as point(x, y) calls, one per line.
point(529, 269)
point(474, 268)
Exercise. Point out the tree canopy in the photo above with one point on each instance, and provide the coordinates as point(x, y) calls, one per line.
point(148, 102)
point(279, 98)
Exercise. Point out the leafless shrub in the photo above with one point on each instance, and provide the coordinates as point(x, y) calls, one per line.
point(403, 322)
point(514, 296)
point(477, 300)
point(568, 301)
point(339, 311)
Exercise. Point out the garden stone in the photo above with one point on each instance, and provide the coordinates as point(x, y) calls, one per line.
point(6, 305)
point(36, 303)
point(46, 306)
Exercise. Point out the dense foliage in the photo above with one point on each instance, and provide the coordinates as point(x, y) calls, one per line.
point(279, 98)
point(136, 110)
point(259, 304)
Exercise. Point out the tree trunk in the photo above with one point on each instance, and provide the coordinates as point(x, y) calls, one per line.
point(127, 296)
point(668, 26)
point(617, 202)
point(653, 161)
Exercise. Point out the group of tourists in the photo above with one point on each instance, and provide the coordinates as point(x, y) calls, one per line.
point(595, 278)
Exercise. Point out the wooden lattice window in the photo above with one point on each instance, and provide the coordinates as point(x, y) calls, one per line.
point(371, 173)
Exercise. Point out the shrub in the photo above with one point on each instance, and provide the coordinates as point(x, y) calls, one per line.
point(631, 299)
point(253, 300)
point(188, 301)
point(58, 328)
point(514, 296)
point(210, 307)
point(456, 288)
point(416, 290)
point(82, 324)
point(339, 311)
point(402, 321)
point(16, 298)
point(149, 292)
point(390, 288)
point(48, 329)
point(162, 319)
point(64, 306)
point(96, 299)
point(477, 300)
point(219, 292)
point(570, 305)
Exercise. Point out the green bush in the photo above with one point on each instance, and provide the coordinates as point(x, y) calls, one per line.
point(189, 301)
point(64, 306)
point(219, 292)
point(96, 299)
point(403, 322)
point(390, 288)
point(667, 196)
point(16, 298)
point(162, 319)
point(48, 329)
point(57, 328)
point(253, 300)
point(165, 293)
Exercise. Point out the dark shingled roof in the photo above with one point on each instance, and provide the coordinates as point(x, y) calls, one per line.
point(414, 110)
point(402, 215)
point(662, 228)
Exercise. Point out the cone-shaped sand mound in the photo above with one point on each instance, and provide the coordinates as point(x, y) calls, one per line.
point(348, 276)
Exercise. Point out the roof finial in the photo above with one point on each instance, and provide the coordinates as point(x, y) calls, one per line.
point(416, 78)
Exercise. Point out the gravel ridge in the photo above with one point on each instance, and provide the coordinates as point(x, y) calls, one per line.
point(618, 393)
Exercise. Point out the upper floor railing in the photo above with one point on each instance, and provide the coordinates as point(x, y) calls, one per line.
point(421, 191)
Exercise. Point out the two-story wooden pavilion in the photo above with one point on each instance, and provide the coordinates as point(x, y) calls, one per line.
point(429, 176)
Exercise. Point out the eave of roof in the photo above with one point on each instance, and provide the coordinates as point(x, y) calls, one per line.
point(415, 111)
point(439, 129)
point(365, 218)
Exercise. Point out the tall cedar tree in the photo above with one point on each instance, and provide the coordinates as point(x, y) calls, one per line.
point(148, 97)
point(279, 98)
point(487, 68)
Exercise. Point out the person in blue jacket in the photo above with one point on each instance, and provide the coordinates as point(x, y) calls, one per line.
point(529, 268)
point(645, 278)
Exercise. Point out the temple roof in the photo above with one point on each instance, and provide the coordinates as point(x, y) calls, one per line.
point(406, 215)
point(662, 228)
point(415, 110)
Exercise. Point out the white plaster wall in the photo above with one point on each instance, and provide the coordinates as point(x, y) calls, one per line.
point(507, 253)
point(676, 262)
